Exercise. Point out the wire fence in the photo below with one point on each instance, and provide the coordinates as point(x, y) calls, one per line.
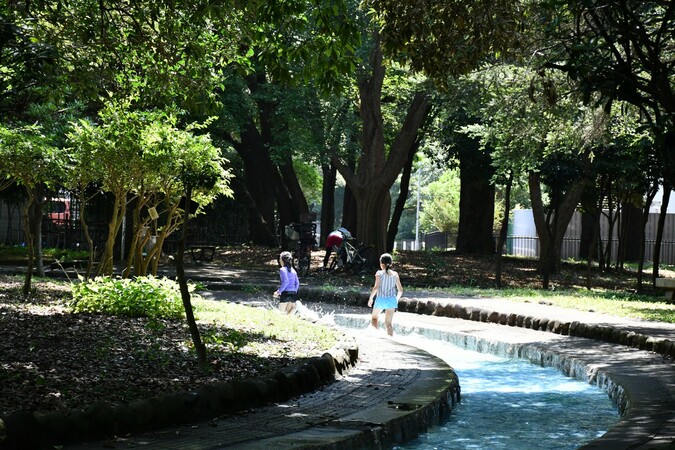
point(528, 246)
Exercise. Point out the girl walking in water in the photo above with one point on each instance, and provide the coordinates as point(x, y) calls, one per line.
point(388, 290)
point(288, 286)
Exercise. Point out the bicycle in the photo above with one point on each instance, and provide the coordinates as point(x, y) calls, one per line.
point(348, 257)
point(304, 234)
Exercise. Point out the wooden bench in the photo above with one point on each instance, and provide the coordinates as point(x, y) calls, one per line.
point(668, 284)
point(201, 253)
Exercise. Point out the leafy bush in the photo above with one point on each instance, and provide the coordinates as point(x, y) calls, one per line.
point(141, 297)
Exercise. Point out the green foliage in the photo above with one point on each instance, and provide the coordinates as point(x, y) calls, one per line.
point(142, 297)
point(29, 157)
point(441, 205)
point(310, 180)
point(607, 54)
point(447, 37)
point(12, 252)
point(25, 65)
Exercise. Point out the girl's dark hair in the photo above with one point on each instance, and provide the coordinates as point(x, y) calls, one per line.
point(286, 260)
point(387, 260)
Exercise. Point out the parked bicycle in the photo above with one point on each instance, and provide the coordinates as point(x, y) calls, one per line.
point(350, 258)
point(304, 234)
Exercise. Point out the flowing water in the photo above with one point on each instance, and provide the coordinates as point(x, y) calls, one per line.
point(511, 403)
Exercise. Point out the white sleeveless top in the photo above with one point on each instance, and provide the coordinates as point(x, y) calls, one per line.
point(387, 286)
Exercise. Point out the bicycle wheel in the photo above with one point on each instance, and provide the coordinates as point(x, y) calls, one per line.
point(303, 266)
point(360, 260)
point(358, 265)
point(303, 261)
point(336, 260)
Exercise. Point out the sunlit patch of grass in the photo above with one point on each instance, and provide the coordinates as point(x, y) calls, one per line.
point(270, 325)
point(607, 302)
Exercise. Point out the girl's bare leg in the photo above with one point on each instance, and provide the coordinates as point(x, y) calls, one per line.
point(373, 320)
point(388, 318)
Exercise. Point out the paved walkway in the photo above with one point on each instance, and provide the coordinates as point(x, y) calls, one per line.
point(391, 377)
point(389, 380)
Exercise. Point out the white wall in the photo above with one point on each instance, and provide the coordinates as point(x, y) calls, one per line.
point(656, 204)
point(523, 223)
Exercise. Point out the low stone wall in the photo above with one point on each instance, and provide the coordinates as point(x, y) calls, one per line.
point(31, 430)
point(608, 334)
point(593, 331)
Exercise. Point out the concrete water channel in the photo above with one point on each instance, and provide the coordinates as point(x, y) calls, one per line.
point(508, 402)
point(640, 383)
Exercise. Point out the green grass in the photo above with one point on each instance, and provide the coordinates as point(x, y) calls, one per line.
point(607, 302)
point(224, 325)
point(16, 252)
point(270, 324)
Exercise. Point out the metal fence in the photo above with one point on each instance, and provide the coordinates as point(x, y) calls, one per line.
point(528, 246)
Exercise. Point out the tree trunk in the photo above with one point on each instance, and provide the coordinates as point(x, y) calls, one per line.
point(641, 232)
point(259, 181)
point(37, 213)
point(30, 252)
point(551, 232)
point(656, 260)
point(289, 179)
point(200, 348)
point(631, 222)
point(85, 232)
point(503, 230)
point(668, 157)
point(377, 169)
point(595, 237)
point(349, 207)
point(611, 221)
point(372, 217)
point(476, 204)
point(119, 209)
point(327, 200)
point(587, 234)
point(392, 231)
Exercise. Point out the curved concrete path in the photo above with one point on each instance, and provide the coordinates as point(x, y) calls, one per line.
point(393, 394)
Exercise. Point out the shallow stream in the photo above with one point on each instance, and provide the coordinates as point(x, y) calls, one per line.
point(510, 403)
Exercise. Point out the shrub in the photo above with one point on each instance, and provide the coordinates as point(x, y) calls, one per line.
point(141, 297)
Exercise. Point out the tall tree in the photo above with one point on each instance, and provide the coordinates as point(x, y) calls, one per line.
point(622, 50)
point(445, 39)
point(535, 132)
point(30, 158)
point(377, 168)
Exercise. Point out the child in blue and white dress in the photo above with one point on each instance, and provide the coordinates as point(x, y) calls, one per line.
point(388, 290)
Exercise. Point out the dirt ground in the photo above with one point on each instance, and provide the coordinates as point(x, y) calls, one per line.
point(442, 269)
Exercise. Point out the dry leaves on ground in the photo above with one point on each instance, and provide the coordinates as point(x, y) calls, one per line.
point(51, 359)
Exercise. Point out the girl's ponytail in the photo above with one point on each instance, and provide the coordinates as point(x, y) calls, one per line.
point(287, 260)
point(387, 260)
